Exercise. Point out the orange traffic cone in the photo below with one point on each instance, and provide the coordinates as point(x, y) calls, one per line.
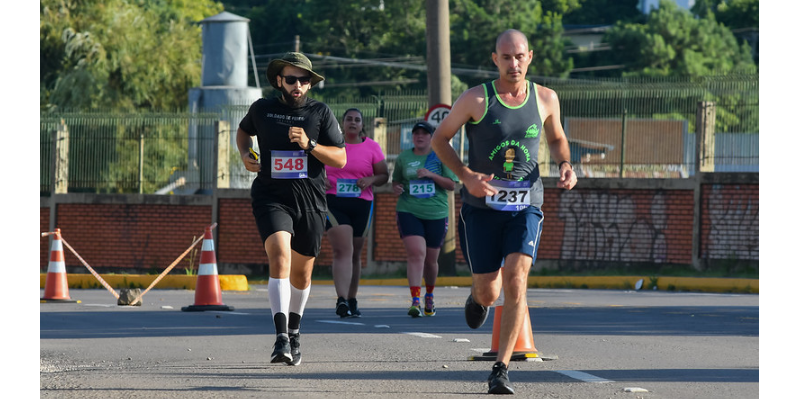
point(208, 291)
point(56, 288)
point(525, 347)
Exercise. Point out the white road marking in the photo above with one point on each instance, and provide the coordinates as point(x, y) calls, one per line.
point(584, 377)
point(422, 335)
point(341, 322)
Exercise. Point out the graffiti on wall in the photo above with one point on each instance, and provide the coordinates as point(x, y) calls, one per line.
point(734, 223)
point(605, 226)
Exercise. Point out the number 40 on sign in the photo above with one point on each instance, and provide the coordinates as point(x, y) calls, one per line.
point(436, 114)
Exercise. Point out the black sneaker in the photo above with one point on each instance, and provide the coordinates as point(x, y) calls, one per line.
point(342, 309)
point(294, 342)
point(498, 382)
point(476, 314)
point(353, 305)
point(282, 352)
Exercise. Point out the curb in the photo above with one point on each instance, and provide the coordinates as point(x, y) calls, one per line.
point(228, 282)
point(695, 284)
point(237, 282)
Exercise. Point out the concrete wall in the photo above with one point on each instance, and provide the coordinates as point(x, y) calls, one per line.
point(708, 221)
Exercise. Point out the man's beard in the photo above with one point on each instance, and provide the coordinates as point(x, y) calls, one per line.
point(291, 101)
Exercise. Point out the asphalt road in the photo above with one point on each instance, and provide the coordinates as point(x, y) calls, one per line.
point(604, 344)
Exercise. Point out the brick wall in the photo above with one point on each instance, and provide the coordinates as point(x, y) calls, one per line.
point(600, 222)
point(130, 236)
point(730, 221)
point(618, 225)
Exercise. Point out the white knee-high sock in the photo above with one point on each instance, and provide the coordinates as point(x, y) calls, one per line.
point(279, 299)
point(298, 299)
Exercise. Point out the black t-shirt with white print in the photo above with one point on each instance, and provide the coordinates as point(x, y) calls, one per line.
point(270, 120)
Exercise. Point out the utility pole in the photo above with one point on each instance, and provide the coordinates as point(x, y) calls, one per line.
point(439, 91)
point(439, 81)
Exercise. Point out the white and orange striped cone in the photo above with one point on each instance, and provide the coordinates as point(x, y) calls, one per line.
point(208, 290)
point(56, 288)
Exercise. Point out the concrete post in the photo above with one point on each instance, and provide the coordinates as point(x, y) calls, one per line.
point(222, 129)
point(705, 136)
point(439, 91)
point(60, 173)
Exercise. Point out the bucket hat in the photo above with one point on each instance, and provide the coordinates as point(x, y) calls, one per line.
point(298, 60)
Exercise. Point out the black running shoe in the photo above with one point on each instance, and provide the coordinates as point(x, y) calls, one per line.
point(342, 309)
point(282, 352)
point(294, 342)
point(476, 314)
point(498, 382)
point(353, 305)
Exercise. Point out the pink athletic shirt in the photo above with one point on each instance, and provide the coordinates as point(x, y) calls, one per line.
point(360, 158)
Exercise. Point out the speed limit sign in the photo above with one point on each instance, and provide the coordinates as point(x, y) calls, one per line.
point(436, 114)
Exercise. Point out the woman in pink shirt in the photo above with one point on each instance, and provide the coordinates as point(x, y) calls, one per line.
point(350, 206)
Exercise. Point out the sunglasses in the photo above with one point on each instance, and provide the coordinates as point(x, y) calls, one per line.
point(293, 79)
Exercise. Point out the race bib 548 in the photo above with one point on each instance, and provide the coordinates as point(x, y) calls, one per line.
point(289, 165)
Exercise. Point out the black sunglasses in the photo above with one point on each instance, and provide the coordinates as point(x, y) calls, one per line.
point(293, 79)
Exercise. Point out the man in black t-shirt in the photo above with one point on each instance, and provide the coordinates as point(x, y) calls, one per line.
point(297, 137)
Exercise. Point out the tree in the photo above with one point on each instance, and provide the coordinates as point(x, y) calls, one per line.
point(675, 43)
point(119, 54)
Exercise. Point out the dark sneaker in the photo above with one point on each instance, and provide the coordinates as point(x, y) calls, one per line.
point(282, 352)
point(498, 382)
point(294, 342)
point(476, 314)
point(342, 309)
point(429, 305)
point(353, 305)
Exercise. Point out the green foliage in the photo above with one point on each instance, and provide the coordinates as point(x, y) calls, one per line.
point(674, 43)
point(136, 54)
point(549, 49)
point(120, 54)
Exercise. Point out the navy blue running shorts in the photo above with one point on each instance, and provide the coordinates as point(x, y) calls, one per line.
point(487, 236)
point(434, 231)
point(355, 212)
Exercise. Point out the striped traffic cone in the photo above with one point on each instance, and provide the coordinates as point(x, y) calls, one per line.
point(208, 290)
point(56, 288)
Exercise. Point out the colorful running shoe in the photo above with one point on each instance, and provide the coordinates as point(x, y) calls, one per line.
point(416, 309)
point(429, 305)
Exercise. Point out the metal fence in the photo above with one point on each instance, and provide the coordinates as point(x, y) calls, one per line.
point(643, 128)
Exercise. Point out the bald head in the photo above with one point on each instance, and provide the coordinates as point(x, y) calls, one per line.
point(512, 37)
point(512, 56)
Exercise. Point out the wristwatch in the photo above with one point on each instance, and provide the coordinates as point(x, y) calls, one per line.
point(311, 146)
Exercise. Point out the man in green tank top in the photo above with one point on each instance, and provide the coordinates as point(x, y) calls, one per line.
point(500, 219)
